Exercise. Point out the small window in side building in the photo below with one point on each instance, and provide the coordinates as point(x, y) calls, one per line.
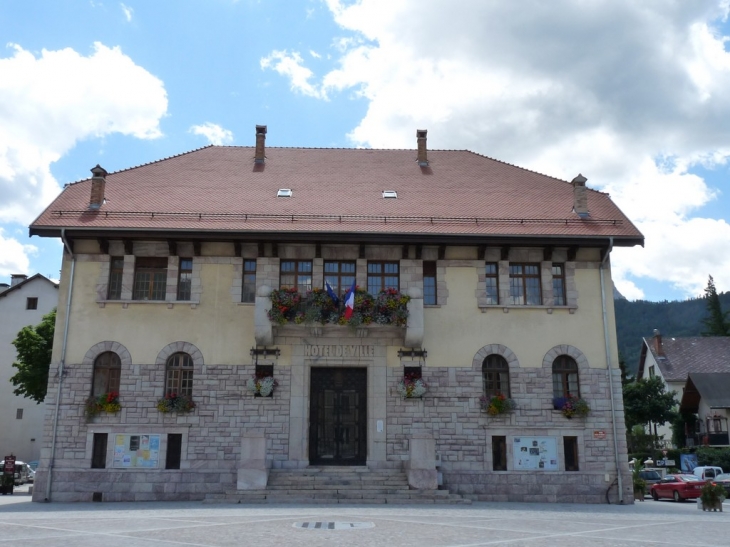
point(499, 453)
point(491, 282)
point(31, 303)
point(559, 285)
point(570, 447)
point(651, 372)
point(150, 278)
point(19, 414)
point(429, 283)
point(382, 276)
point(248, 290)
point(116, 268)
point(98, 451)
point(185, 279)
point(174, 450)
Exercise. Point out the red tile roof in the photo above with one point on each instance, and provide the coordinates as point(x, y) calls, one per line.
point(220, 189)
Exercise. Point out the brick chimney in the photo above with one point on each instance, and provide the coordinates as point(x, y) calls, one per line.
point(260, 156)
point(98, 184)
point(422, 150)
point(580, 199)
point(658, 348)
point(17, 278)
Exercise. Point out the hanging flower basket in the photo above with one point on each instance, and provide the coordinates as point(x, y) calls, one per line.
point(572, 406)
point(263, 387)
point(106, 402)
point(411, 387)
point(173, 402)
point(497, 404)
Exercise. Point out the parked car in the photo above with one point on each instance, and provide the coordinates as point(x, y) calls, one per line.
point(22, 471)
point(650, 476)
point(33, 465)
point(723, 480)
point(677, 487)
point(705, 472)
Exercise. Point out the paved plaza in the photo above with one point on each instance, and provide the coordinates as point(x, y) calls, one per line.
point(655, 524)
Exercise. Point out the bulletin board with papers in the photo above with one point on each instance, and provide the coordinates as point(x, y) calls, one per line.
point(136, 451)
point(535, 453)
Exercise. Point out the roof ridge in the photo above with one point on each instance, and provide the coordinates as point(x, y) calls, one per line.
point(530, 170)
point(145, 164)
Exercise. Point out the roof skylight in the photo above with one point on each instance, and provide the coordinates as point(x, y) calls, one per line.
point(390, 194)
point(284, 193)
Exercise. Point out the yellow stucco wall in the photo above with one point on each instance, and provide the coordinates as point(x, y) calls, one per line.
point(223, 329)
point(220, 328)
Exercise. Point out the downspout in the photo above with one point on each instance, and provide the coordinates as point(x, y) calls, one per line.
point(61, 364)
point(601, 267)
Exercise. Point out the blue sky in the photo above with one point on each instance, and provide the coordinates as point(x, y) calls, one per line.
point(631, 95)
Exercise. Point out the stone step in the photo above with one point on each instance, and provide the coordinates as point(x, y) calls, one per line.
point(339, 485)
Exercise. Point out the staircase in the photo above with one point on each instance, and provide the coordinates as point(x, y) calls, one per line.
point(329, 485)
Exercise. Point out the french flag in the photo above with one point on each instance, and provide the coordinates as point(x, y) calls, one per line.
point(332, 294)
point(350, 301)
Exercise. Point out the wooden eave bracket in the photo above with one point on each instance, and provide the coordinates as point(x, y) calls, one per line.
point(103, 245)
point(172, 247)
point(504, 253)
point(196, 248)
point(237, 248)
point(128, 246)
point(547, 253)
point(572, 253)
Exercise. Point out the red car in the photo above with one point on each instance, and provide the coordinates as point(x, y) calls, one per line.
point(677, 487)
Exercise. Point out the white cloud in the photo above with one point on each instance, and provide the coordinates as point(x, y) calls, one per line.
point(315, 54)
point(128, 12)
point(290, 66)
point(630, 94)
point(57, 100)
point(14, 256)
point(213, 132)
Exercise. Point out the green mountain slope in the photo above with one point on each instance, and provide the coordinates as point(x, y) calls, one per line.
point(638, 319)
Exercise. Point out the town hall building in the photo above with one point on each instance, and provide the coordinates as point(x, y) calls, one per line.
point(233, 318)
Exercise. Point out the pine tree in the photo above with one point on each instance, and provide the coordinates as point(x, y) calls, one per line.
point(716, 323)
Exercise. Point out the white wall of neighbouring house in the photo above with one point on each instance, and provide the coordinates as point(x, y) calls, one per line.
point(21, 432)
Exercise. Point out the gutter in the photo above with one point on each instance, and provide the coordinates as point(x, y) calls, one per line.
point(601, 268)
point(61, 365)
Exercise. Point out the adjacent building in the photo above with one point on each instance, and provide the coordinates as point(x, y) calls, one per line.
point(24, 302)
point(696, 369)
point(193, 279)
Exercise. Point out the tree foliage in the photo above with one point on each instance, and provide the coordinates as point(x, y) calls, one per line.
point(716, 323)
point(647, 401)
point(34, 345)
point(714, 456)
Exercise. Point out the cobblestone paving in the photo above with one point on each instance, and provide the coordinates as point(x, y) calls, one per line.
point(654, 524)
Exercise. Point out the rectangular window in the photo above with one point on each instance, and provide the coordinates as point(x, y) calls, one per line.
point(429, 283)
point(524, 285)
point(98, 451)
point(383, 275)
point(340, 275)
point(19, 414)
point(296, 274)
point(558, 285)
point(570, 447)
point(116, 267)
point(150, 278)
point(174, 450)
point(499, 453)
point(185, 279)
point(491, 272)
point(31, 303)
point(651, 372)
point(248, 290)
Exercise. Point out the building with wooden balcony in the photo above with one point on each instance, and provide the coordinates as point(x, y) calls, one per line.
point(209, 336)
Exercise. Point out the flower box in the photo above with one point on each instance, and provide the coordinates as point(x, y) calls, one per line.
point(572, 406)
point(497, 404)
point(388, 307)
point(173, 402)
point(106, 402)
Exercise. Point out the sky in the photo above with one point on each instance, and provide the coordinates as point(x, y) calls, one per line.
point(633, 95)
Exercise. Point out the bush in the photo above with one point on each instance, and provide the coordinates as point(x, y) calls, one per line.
point(719, 457)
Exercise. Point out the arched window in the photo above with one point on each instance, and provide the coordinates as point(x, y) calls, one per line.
point(565, 377)
point(107, 371)
point(495, 372)
point(179, 374)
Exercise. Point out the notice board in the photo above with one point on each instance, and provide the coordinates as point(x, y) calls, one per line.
point(535, 453)
point(136, 451)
